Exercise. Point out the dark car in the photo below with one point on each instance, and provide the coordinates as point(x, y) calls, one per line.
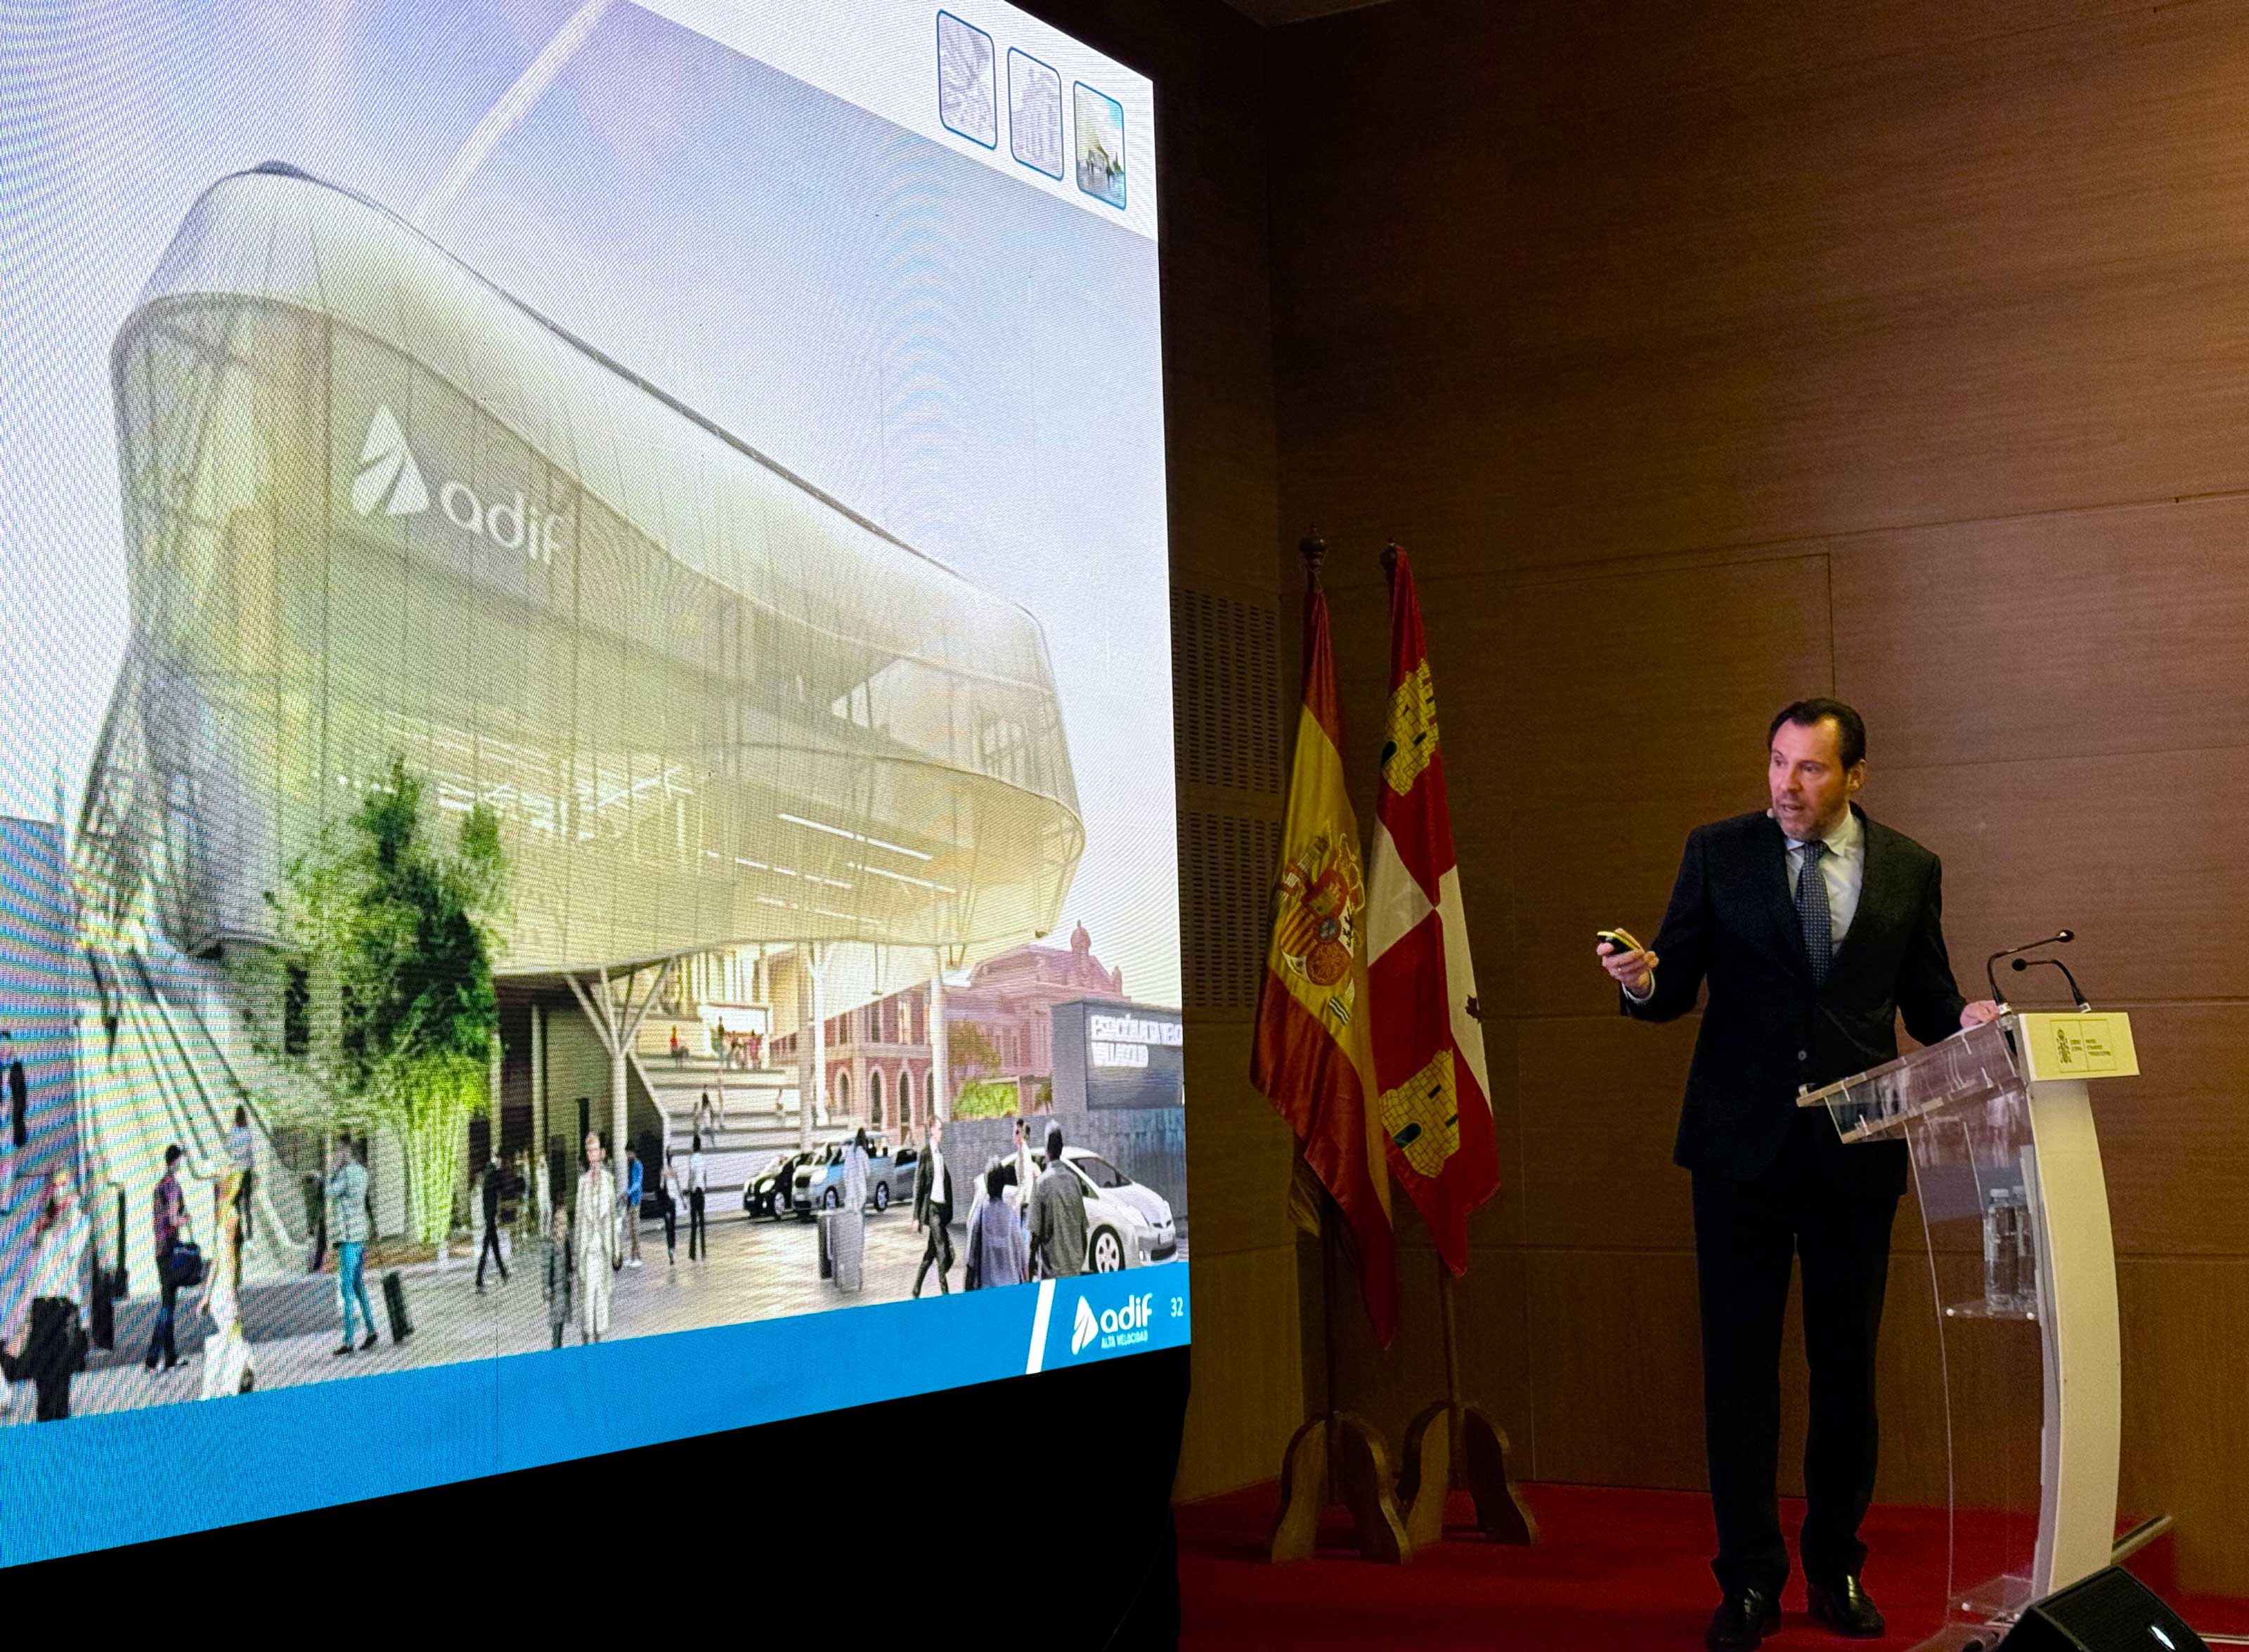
point(768, 1192)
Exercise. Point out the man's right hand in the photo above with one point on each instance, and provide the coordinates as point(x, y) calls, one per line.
point(1635, 971)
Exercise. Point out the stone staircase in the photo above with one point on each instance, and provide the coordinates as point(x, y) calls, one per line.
point(760, 1117)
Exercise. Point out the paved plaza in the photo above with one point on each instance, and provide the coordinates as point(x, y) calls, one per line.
point(757, 1268)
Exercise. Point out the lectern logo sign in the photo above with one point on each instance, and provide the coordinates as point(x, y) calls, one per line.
point(388, 475)
point(1084, 1329)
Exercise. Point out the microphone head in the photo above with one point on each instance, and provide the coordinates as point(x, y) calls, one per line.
point(2066, 935)
point(2021, 965)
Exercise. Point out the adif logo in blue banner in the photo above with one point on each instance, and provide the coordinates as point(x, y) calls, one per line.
point(1118, 1328)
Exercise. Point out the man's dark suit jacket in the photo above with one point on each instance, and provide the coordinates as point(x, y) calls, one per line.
point(926, 1196)
point(1768, 1029)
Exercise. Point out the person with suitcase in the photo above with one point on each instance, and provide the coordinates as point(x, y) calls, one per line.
point(169, 1215)
point(348, 1228)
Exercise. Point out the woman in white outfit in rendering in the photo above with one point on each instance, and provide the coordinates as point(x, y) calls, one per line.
point(596, 1243)
point(226, 1351)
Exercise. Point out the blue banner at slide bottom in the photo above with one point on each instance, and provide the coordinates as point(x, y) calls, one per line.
point(129, 1477)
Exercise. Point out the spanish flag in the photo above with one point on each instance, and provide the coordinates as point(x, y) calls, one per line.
point(1311, 1057)
point(1432, 1098)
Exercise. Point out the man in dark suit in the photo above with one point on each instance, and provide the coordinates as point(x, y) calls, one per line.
point(1815, 928)
point(934, 1209)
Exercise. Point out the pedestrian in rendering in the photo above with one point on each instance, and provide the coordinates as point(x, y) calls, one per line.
point(17, 1137)
point(998, 1253)
point(543, 1179)
point(242, 1153)
point(49, 1344)
point(933, 1211)
point(679, 1049)
point(856, 1165)
point(559, 1269)
point(347, 1229)
point(698, 1239)
point(226, 1350)
point(169, 1215)
point(596, 1243)
point(493, 1190)
point(1058, 1215)
point(634, 1186)
point(1026, 1173)
point(705, 1117)
point(671, 1197)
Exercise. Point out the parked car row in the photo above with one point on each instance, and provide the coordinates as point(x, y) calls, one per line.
point(1128, 1225)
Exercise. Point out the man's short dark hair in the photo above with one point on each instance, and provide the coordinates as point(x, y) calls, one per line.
point(173, 1155)
point(1054, 1144)
point(1850, 727)
point(995, 1182)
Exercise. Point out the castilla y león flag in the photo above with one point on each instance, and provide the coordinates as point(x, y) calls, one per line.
point(1433, 1099)
point(1311, 1056)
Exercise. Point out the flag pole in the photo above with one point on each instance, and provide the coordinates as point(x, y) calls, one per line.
point(1333, 1456)
point(1451, 1445)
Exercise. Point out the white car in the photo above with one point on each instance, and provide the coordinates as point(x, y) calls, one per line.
point(1126, 1225)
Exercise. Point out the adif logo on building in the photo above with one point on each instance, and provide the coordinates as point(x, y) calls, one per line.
point(389, 478)
point(387, 475)
point(1116, 1327)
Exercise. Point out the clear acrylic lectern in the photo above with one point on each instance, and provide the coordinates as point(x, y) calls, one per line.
point(2007, 1171)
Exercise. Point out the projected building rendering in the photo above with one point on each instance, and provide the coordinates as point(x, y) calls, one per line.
point(375, 508)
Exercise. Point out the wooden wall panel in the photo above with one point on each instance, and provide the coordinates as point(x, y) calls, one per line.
point(1874, 295)
point(1616, 1372)
point(1238, 1149)
point(2126, 850)
point(2186, 1428)
point(2172, 1141)
point(1600, 1109)
point(2049, 638)
point(1248, 1396)
point(1636, 709)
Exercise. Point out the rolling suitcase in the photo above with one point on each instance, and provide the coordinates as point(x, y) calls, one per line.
point(393, 1303)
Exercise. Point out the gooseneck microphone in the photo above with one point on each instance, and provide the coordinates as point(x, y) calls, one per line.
point(2058, 938)
point(2084, 1006)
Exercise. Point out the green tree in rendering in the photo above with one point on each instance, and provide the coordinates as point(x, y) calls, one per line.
point(383, 982)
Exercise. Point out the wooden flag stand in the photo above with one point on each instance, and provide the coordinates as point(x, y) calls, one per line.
point(1450, 1445)
point(1335, 1456)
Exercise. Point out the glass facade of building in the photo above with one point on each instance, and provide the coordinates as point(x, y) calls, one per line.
point(375, 508)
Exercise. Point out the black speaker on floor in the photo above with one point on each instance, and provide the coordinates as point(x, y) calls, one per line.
point(2111, 1611)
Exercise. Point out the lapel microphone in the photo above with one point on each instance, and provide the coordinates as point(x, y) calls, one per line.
point(2059, 937)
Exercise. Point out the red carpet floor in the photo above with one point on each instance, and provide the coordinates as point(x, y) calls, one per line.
point(1616, 1571)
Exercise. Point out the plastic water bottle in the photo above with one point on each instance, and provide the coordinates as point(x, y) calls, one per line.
point(2001, 1255)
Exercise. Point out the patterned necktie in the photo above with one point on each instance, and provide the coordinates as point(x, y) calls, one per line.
point(1811, 913)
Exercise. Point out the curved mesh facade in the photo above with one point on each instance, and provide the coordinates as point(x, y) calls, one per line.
point(375, 507)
